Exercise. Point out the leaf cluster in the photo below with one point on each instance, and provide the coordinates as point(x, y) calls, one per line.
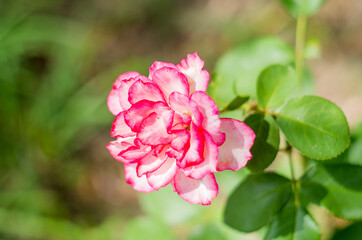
point(315, 127)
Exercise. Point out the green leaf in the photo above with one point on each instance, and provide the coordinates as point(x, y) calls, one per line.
point(337, 187)
point(266, 143)
point(314, 126)
point(238, 69)
point(236, 114)
point(275, 84)
point(355, 152)
point(358, 131)
point(302, 7)
point(353, 155)
point(256, 201)
point(293, 223)
point(352, 232)
point(236, 103)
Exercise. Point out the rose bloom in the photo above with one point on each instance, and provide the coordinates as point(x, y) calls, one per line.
point(168, 131)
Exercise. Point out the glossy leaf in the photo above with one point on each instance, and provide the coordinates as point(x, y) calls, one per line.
point(256, 201)
point(355, 152)
point(293, 223)
point(358, 131)
point(302, 7)
point(236, 103)
point(353, 155)
point(314, 126)
point(238, 69)
point(352, 232)
point(275, 85)
point(266, 143)
point(236, 114)
point(337, 187)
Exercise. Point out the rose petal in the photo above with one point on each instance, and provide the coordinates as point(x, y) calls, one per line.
point(137, 113)
point(123, 90)
point(124, 76)
point(123, 93)
point(114, 98)
point(179, 144)
point(192, 67)
point(154, 129)
point(235, 152)
point(151, 162)
point(171, 80)
point(196, 191)
point(210, 113)
point(208, 165)
point(138, 183)
point(144, 91)
point(113, 103)
point(194, 154)
point(172, 153)
point(163, 175)
point(181, 118)
point(183, 105)
point(115, 147)
point(133, 153)
point(120, 128)
point(157, 65)
point(180, 121)
point(181, 139)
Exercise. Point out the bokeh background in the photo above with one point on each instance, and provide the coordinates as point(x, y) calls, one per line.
point(58, 60)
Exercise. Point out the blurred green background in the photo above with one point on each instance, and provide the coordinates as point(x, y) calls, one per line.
point(58, 60)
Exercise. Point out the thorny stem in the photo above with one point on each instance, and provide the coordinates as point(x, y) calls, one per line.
point(299, 47)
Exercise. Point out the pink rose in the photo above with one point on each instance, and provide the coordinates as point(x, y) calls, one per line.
point(168, 130)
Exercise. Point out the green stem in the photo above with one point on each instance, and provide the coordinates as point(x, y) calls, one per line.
point(292, 176)
point(299, 66)
point(299, 47)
